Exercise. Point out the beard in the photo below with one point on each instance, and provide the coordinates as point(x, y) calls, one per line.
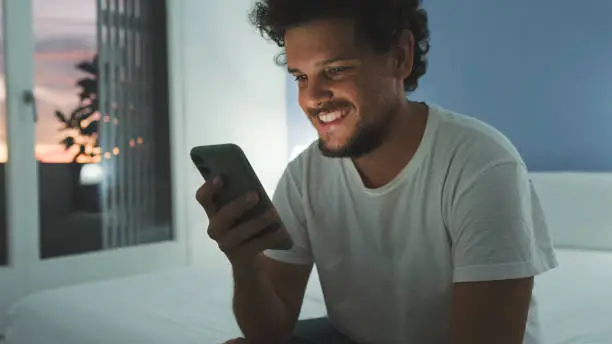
point(368, 136)
point(366, 139)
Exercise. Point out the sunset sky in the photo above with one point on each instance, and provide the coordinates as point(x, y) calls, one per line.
point(65, 34)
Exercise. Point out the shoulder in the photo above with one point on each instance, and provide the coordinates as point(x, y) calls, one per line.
point(471, 146)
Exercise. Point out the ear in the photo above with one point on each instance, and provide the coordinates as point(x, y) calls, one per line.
point(404, 54)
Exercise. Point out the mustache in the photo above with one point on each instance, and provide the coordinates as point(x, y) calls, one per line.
point(336, 105)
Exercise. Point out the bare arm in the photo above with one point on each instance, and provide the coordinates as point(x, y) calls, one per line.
point(491, 311)
point(268, 297)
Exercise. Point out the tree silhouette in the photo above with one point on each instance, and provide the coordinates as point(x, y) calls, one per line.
point(83, 119)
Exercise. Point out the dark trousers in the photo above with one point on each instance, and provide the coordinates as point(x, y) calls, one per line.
point(318, 331)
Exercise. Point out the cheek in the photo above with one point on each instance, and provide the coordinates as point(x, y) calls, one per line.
point(359, 91)
point(376, 94)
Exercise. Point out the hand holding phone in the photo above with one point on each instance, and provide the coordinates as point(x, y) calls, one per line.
point(243, 220)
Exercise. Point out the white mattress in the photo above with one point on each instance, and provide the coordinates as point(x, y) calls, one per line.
point(576, 299)
point(192, 305)
point(189, 305)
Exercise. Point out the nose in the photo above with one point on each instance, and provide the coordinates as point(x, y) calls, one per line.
point(316, 93)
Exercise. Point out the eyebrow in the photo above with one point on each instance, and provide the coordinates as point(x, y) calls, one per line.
point(325, 63)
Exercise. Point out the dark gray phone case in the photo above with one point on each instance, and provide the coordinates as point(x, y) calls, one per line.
point(229, 161)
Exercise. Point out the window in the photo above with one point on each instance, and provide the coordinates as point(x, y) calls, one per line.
point(102, 139)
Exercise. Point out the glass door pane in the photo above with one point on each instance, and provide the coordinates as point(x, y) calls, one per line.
point(65, 34)
point(102, 136)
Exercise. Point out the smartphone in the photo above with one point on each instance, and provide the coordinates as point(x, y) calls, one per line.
point(229, 161)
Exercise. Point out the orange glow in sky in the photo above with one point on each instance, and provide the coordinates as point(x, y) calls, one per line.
point(65, 34)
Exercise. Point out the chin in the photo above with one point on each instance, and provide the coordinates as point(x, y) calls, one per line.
point(354, 147)
point(334, 150)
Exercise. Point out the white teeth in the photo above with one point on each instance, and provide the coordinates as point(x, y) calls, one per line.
point(330, 117)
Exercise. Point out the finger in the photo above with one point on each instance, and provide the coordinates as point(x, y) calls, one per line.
point(260, 244)
point(226, 217)
point(247, 230)
point(206, 193)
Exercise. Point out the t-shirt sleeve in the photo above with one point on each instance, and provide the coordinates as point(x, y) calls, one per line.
point(288, 202)
point(495, 228)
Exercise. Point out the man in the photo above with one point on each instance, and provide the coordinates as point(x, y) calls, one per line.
point(423, 224)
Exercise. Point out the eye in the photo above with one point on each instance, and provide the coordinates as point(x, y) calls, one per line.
point(337, 70)
point(299, 77)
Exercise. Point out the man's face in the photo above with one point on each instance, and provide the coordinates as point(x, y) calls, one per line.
point(349, 92)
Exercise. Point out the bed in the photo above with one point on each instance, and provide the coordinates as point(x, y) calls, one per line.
point(192, 304)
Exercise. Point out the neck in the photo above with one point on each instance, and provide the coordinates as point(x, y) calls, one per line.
point(382, 165)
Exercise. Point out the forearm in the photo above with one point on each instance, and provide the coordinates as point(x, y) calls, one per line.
point(260, 313)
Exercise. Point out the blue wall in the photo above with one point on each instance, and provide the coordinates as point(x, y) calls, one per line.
point(540, 71)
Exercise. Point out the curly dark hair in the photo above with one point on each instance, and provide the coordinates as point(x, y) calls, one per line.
point(380, 22)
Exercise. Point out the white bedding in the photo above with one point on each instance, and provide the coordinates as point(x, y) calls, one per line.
point(189, 305)
point(192, 305)
point(576, 299)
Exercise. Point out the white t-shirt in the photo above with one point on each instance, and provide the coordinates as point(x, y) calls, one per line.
point(463, 209)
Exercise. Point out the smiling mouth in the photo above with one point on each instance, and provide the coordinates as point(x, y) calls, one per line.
point(332, 117)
